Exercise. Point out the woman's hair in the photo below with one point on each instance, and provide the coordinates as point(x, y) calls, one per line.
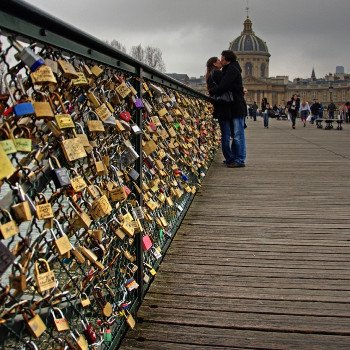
point(210, 66)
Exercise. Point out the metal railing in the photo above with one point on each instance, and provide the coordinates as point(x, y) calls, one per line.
point(100, 158)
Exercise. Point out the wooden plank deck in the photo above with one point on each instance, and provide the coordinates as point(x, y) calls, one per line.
point(262, 259)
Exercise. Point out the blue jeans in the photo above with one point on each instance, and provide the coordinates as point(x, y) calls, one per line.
point(234, 152)
point(266, 119)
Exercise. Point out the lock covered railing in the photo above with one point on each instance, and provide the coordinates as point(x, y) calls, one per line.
point(100, 158)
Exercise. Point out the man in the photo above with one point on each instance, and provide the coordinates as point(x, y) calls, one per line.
point(315, 110)
point(235, 153)
point(331, 109)
point(254, 110)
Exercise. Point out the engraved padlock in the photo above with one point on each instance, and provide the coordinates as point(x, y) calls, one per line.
point(60, 322)
point(34, 323)
point(8, 226)
point(45, 279)
point(43, 208)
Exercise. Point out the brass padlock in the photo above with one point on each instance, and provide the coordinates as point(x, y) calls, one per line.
point(8, 226)
point(43, 108)
point(79, 218)
point(61, 243)
point(22, 210)
point(94, 124)
point(43, 75)
point(44, 280)
point(17, 278)
point(84, 300)
point(43, 208)
point(35, 324)
point(67, 69)
point(61, 323)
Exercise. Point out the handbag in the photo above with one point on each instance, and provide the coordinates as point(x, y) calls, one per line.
point(225, 97)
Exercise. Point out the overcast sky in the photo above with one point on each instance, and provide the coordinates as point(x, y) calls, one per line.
point(300, 34)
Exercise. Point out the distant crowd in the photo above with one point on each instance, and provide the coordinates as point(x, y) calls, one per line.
point(296, 107)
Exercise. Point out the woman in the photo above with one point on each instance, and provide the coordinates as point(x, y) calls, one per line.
point(305, 111)
point(293, 108)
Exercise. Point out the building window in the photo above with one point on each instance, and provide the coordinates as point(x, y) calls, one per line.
point(263, 70)
point(335, 97)
point(303, 94)
point(344, 95)
point(325, 96)
point(248, 69)
point(314, 94)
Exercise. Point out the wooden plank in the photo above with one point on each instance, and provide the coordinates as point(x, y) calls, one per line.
point(261, 260)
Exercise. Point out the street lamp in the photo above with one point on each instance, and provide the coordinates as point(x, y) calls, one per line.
point(330, 89)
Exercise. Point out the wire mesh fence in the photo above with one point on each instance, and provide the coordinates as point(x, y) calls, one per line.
point(98, 167)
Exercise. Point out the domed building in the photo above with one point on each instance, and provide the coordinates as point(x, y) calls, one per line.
point(254, 57)
point(252, 52)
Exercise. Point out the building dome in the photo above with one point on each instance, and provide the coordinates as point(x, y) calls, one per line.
point(248, 42)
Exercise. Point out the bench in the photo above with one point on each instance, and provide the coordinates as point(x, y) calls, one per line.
point(329, 123)
point(319, 123)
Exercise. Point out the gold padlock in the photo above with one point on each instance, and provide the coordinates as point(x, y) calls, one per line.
point(43, 208)
point(18, 280)
point(44, 280)
point(22, 210)
point(35, 324)
point(61, 323)
point(8, 228)
point(62, 243)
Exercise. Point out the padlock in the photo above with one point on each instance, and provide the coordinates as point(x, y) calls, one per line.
point(68, 70)
point(22, 210)
point(43, 76)
point(84, 300)
point(125, 115)
point(105, 306)
point(77, 181)
point(7, 143)
point(43, 208)
point(44, 280)
point(80, 341)
point(8, 226)
point(73, 149)
point(61, 242)
point(61, 323)
point(27, 55)
point(123, 90)
point(81, 80)
point(146, 243)
point(17, 278)
point(79, 218)
point(60, 176)
point(107, 335)
point(93, 122)
point(62, 118)
point(43, 108)
point(21, 136)
point(35, 324)
point(99, 165)
point(89, 332)
point(30, 345)
point(100, 207)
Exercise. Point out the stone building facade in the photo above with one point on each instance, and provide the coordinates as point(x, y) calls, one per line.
point(254, 58)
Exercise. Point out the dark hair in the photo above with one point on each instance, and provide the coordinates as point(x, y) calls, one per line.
point(229, 55)
point(210, 66)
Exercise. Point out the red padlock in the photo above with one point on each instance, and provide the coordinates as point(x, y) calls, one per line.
point(125, 115)
point(89, 332)
point(146, 243)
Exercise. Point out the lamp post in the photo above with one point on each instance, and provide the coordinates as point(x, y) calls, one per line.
point(330, 89)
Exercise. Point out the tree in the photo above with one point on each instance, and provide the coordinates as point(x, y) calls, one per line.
point(117, 45)
point(153, 58)
point(138, 53)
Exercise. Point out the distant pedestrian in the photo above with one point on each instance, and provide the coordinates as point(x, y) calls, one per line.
point(331, 109)
point(293, 108)
point(264, 111)
point(304, 111)
point(315, 110)
point(347, 118)
point(254, 108)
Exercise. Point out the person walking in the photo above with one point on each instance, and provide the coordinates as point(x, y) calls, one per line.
point(304, 111)
point(265, 112)
point(293, 108)
point(235, 113)
point(347, 114)
point(315, 110)
point(254, 110)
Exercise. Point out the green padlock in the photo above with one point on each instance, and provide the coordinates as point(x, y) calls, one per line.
point(107, 335)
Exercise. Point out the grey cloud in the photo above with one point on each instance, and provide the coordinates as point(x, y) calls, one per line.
point(300, 34)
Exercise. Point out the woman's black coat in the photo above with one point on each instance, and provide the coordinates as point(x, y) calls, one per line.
point(231, 81)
